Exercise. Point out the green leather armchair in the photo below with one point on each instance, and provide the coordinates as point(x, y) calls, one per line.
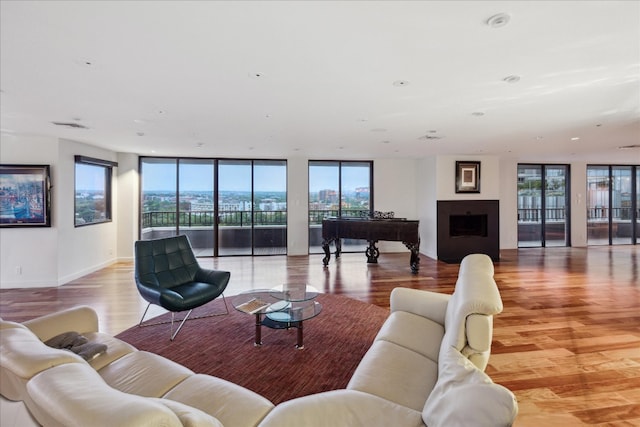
point(167, 274)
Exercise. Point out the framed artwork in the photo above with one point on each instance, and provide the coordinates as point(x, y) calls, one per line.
point(467, 177)
point(25, 192)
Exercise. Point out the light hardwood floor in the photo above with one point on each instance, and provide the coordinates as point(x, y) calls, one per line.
point(567, 342)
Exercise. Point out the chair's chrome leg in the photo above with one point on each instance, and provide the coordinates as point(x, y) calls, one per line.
point(144, 314)
point(225, 304)
point(181, 324)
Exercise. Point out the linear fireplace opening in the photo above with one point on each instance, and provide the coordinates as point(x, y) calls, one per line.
point(468, 225)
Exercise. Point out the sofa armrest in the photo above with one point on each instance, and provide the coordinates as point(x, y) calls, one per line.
point(80, 319)
point(432, 305)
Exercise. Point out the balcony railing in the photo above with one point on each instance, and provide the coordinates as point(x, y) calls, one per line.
point(593, 214)
point(206, 218)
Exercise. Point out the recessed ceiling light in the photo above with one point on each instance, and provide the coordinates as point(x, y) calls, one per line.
point(140, 133)
point(431, 137)
point(85, 62)
point(575, 138)
point(477, 113)
point(386, 142)
point(512, 79)
point(499, 20)
point(401, 83)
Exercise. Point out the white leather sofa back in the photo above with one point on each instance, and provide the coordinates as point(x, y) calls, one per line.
point(469, 318)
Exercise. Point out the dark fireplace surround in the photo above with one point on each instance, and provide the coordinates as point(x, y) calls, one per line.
point(466, 227)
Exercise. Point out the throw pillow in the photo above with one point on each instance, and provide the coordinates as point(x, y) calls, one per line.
point(77, 344)
point(465, 396)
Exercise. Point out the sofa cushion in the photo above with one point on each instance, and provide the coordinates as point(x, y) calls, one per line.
point(464, 396)
point(189, 416)
point(341, 408)
point(144, 374)
point(75, 395)
point(414, 332)
point(22, 356)
point(116, 348)
point(395, 373)
point(25, 355)
point(230, 403)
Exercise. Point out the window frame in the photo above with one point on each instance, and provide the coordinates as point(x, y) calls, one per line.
point(107, 167)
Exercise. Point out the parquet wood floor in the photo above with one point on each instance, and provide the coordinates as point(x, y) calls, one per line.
point(567, 342)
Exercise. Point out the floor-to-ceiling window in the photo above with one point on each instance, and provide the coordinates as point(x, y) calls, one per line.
point(612, 204)
point(338, 188)
point(543, 208)
point(226, 207)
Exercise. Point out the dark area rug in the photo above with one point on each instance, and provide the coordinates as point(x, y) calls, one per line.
point(222, 346)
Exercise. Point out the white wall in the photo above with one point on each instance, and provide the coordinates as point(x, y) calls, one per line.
point(127, 214)
point(33, 250)
point(437, 181)
point(426, 196)
point(394, 186)
point(508, 203)
point(297, 206)
point(55, 255)
point(82, 250)
point(578, 204)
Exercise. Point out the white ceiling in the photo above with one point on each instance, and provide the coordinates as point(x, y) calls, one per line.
point(326, 79)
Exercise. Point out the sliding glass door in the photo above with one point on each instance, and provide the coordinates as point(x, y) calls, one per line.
point(612, 205)
point(226, 207)
point(543, 205)
point(338, 189)
point(158, 198)
point(270, 207)
point(195, 207)
point(234, 207)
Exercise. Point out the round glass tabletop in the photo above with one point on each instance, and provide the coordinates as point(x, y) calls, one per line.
point(294, 292)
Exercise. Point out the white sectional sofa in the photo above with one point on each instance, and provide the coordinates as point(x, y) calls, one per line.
point(121, 387)
point(425, 367)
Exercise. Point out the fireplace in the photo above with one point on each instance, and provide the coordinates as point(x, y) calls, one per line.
point(466, 227)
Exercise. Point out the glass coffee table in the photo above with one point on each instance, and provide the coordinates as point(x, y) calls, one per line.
point(282, 307)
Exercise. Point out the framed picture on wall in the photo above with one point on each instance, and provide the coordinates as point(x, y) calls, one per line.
point(25, 192)
point(467, 177)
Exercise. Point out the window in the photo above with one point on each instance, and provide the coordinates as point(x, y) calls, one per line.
point(543, 205)
point(612, 210)
point(225, 206)
point(93, 190)
point(338, 188)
